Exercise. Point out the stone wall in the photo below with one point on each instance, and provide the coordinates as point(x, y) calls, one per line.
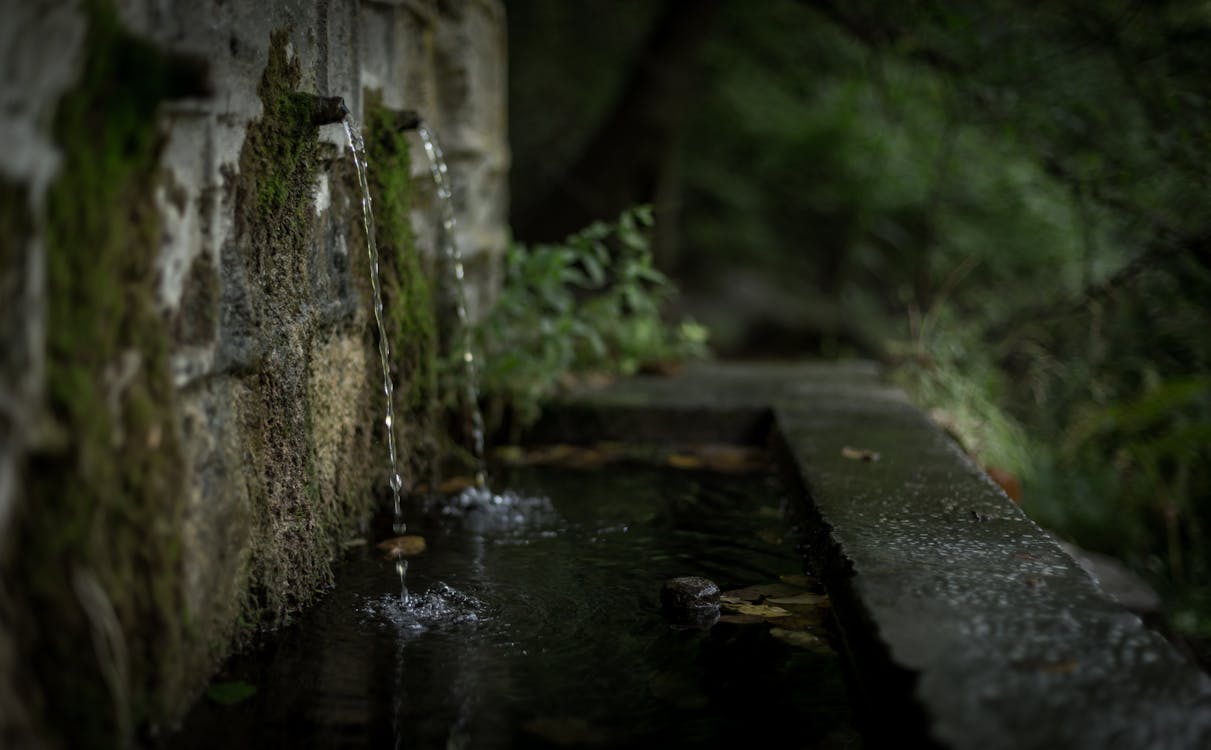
point(189, 393)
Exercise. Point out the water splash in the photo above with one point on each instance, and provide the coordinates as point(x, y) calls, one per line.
point(440, 605)
point(357, 146)
point(441, 180)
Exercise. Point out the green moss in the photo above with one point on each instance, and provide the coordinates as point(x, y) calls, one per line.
point(295, 530)
point(107, 504)
point(411, 317)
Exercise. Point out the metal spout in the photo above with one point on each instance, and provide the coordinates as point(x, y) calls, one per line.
point(407, 119)
point(327, 110)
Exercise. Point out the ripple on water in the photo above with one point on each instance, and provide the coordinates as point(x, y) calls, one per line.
point(440, 605)
point(481, 511)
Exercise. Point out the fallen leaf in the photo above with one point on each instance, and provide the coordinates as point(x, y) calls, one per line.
point(550, 454)
point(1007, 481)
point(807, 598)
point(509, 454)
point(611, 449)
point(683, 461)
point(455, 484)
point(798, 579)
point(409, 545)
point(759, 610)
point(800, 639)
point(859, 454)
point(230, 693)
point(762, 591)
point(730, 458)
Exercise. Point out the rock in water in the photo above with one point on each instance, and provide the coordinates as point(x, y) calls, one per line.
point(689, 592)
point(409, 545)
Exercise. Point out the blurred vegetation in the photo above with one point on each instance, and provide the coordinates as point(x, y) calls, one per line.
point(1004, 201)
point(590, 305)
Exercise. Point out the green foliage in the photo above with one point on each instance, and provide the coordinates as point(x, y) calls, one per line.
point(1004, 200)
point(591, 304)
point(947, 376)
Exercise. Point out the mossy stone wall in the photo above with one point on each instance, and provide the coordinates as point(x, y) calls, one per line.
point(189, 393)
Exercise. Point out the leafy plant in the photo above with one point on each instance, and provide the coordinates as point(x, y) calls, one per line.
point(590, 304)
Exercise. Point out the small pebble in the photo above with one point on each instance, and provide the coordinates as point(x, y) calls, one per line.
point(409, 545)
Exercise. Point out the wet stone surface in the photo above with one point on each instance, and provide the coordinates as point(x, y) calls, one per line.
point(689, 592)
point(967, 625)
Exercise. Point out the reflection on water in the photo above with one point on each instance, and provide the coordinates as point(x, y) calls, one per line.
point(534, 621)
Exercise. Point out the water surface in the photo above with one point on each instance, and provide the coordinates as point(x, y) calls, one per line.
point(535, 622)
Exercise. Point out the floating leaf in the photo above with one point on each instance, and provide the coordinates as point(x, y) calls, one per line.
point(800, 639)
point(684, 461)
point(455, 484)
point(807, 598)
point(762, 591)
point(510, 454)
point(730, 458)
point(409, 545)
point(758, 610)
point(230, 693)
point(859, 454)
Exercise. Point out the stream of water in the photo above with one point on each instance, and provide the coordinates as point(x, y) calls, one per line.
point(441, 180)
point(357, 147)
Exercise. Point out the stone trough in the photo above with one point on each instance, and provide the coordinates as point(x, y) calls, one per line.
point(965, 625)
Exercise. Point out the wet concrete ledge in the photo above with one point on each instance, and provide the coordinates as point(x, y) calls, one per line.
point(965, 624)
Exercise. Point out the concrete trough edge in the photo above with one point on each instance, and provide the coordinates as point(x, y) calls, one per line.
point(965, 624)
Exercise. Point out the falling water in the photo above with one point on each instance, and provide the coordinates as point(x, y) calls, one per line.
point(441, 179)
point(358, 148)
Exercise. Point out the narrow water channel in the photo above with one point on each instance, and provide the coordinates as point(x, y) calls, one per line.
point(539, 625)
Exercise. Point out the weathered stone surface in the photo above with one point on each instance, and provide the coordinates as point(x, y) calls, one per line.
point(263, 305)
point(967, 625)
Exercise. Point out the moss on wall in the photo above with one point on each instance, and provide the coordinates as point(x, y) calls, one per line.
point(297, 522)
point(92, 582)
point(94, 571)
point(407, 298)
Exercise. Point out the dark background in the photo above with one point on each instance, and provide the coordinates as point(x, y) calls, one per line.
point(1003, 202)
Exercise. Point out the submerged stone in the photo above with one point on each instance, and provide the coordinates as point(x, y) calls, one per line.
point(409, 545)
point(689, 592)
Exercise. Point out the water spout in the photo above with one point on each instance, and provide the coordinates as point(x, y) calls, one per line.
point(328, 110)
point(357, 147)
point(407, 119)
